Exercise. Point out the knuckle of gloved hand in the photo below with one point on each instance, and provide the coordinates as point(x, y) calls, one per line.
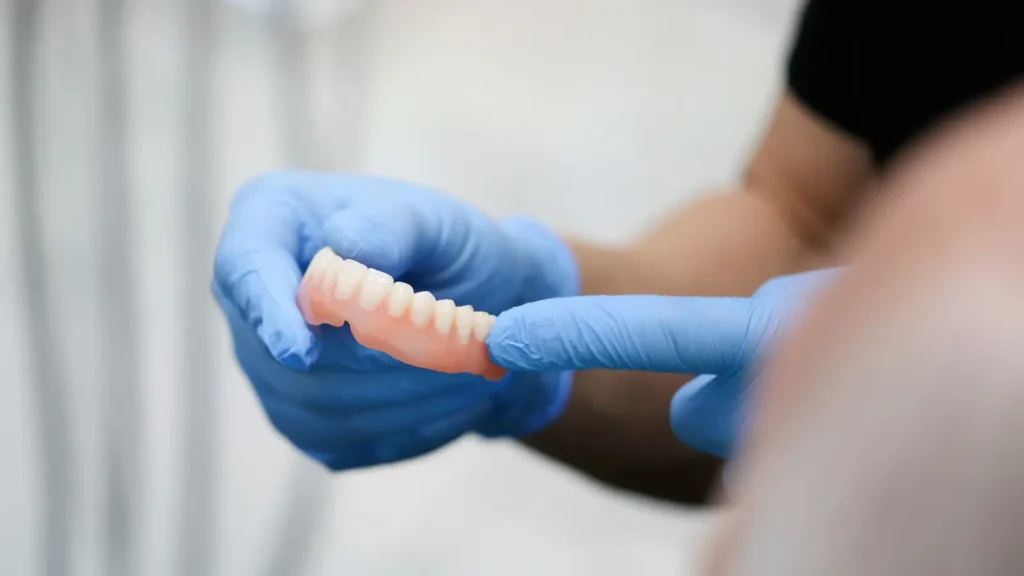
point(774, 287)
point(337, 462)
point(260, 187)
point(232, 276)
point(271, 182)
point(285, 424)
point(352, 457)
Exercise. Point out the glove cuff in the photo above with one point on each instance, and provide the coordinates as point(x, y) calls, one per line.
point(549, 266)
point(527, 403)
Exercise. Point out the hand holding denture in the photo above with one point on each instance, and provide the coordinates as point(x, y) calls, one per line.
point(416, 275)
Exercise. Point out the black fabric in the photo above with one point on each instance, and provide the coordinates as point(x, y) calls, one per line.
point(887, 70)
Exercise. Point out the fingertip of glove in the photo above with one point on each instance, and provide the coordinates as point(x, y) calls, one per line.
point(694, 418)
point(697, 438)
point(297, 359)
point(510, 343)
point(248, 301)
point(294, 349)
point(343, 229)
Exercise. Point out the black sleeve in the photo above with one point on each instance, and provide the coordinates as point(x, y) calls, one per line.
point(822, 72)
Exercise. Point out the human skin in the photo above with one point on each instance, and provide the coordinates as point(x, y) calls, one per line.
point(888, 436)
point(801, 185)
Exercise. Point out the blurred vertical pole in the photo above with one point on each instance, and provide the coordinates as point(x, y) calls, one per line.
point(293, 84)
point(48, 372)
point(119, 341)
point(303, 500)
point(198, 520)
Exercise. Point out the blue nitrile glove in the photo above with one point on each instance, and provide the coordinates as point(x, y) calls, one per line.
point(349, 406)
point(719, 338)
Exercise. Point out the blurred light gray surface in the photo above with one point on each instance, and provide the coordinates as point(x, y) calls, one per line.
point(594, 116)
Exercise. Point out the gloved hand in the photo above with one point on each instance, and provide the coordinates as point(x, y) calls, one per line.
point(349, 406)
point(720, 338)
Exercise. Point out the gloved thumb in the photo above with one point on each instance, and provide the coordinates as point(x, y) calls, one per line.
point(692, 335)
point(705, 413)
point(385, 236)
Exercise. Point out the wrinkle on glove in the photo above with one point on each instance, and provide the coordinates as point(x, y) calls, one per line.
point(647, 333)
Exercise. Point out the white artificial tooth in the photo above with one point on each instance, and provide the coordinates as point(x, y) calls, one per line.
point(444, 314)
point(399, 299)
point(320, 263)
point(464, 323)
point(350, 276)
point(330, 276)
point(376, 287)
point(421, 309)
point(481, 325)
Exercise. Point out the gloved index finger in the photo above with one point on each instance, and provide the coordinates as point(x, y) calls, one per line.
point(405, 230)
point(693, 335)
point(392, 226)
point(257, 272)
point(383, 235)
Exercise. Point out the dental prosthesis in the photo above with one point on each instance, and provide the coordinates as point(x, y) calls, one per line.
point(388, 316)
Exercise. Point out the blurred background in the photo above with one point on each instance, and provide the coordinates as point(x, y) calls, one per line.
point(129, 441)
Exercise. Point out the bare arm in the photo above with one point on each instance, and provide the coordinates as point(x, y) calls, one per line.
point(797, 191)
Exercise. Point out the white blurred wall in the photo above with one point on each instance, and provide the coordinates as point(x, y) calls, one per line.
point(595, 116)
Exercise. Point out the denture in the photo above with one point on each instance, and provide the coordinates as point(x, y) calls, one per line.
point(411, 327)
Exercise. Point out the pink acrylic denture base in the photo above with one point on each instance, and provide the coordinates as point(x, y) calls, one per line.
point(397, 337)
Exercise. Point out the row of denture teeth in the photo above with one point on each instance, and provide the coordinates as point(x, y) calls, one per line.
point(348, 278)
